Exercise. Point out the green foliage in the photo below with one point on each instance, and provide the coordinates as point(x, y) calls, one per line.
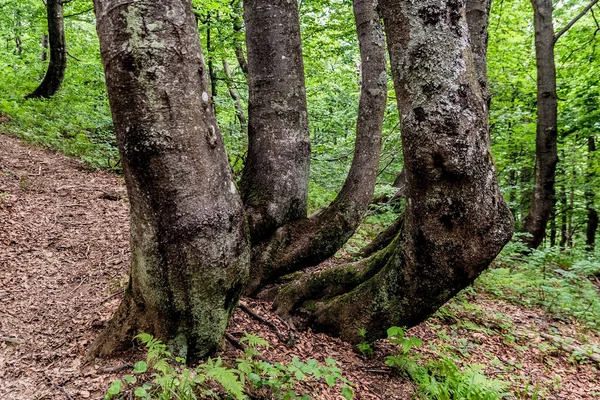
point(163, 377)
point(441, 379)
point(560, 283)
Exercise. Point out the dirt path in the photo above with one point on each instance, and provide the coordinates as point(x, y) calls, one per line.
point(63, 253)
point(64, 259)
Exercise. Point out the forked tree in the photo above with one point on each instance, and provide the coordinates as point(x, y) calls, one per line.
point(191, 253)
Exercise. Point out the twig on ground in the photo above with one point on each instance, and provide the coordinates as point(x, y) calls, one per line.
point(11, 340)
point(289, 340)
point(112, 296)
point(116, 368)
point(571, 348)
point(234, 342)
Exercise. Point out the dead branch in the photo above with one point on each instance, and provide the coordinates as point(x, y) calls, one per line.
point(570, 348)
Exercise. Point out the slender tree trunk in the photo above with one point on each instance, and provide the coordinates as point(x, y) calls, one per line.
point(209, 49)
point(563, 216)
point(571, 208)
point(189, 245)
point(590, 197)
point(44, 55)
point(58, 52)
point(312, 240)
point(274, 182)
point(238, 32)
point(235, 95)
point(18, 41)
point(553, 225)
point(546, 133)
point(456, 220)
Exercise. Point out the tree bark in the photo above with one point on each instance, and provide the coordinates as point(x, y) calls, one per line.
point(274, 182)
point(58, 52)
point(590, 197)
point(456, 220)
point(546, 132)
point(309, 241)
point(478, 12)
point(189, 244)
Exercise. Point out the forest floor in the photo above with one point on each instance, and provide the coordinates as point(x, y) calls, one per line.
point(64, 262)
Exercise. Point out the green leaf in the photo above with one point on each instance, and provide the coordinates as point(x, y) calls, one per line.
point(130, 379)
point(114, 388)
point(347, 392)
point(140, 367)
point(330, 379)
point(140, 392)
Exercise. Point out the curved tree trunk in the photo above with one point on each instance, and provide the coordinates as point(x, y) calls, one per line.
point(456, 220)
point(58, 52)
point(590, 197)
point(189, 244)
point(546, 133)
point(312, 240)
point(274, 182)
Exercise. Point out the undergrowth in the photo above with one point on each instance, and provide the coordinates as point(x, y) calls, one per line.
point(561, 283)
point(441, 378)
point(163, 377)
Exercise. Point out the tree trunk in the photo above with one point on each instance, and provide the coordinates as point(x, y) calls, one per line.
point(309, 241)
point(209, 49)
point(274, 182)
point(456, 220)
point(590, 197)
point(58, 52)
point(44, 55)
point(235, 95)
point(189, 244)
point(238, 31)
point(478, 12)
point(546, 133)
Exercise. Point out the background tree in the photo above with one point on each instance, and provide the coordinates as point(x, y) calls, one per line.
point(547, 120)
point(58, 52)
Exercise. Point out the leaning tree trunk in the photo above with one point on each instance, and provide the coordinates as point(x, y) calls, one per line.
point(546, 133)
point(58, 52)
point(590, 197)
point(189, 243)
point(309, 241)
point(456, 220)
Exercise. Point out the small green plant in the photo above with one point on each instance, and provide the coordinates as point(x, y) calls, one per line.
point(364, 347)
point(163, 377)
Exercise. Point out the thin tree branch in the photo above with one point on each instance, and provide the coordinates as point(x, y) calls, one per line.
point(79, 13)
point(574, 20)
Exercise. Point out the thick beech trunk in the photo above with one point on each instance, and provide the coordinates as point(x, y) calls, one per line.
point(546, 133)
point(189, 244)
point(274, 182)
point(58, 52)
point(456, 220)
point(590, 198)
point(312, 240)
